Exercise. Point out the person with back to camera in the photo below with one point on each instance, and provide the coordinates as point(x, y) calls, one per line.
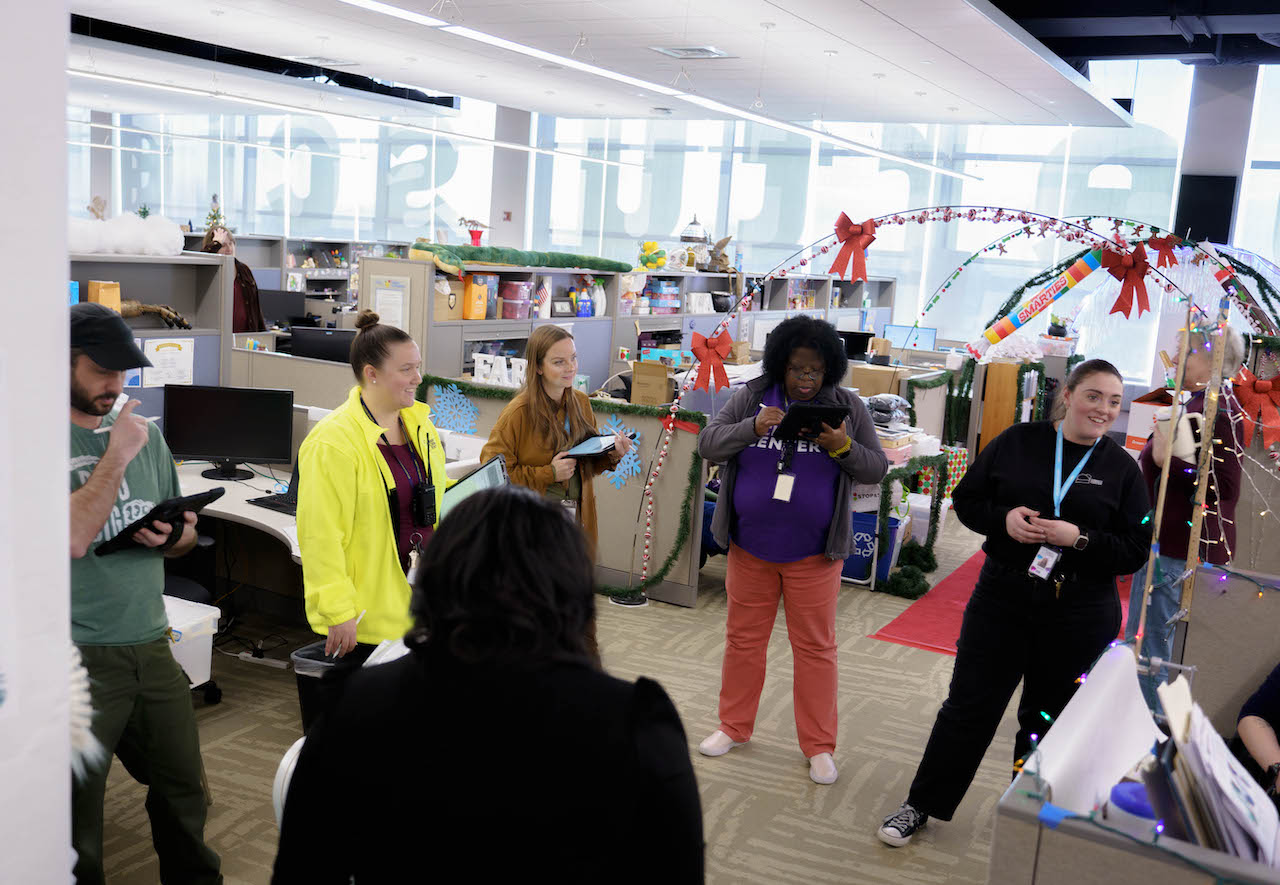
point(372, 475)
point(546, 419)
point(496, 737)
point(1218, 530)
point(246, 309)
point(1255, 743)
point(784, 514)
point(1062, 506)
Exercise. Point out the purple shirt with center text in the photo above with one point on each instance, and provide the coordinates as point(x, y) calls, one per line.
point(783, 531)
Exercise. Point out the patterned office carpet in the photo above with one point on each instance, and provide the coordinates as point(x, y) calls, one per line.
point(766, 822)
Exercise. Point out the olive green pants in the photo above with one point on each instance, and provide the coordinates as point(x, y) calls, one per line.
point(143, 714)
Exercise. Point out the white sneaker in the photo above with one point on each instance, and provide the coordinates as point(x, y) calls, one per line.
point(822, 769)
point(717, 744)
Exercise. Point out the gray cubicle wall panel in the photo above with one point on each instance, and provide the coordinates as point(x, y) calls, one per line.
point(205, 371)
point(706, 324)
point(1232, 640)
point(593, 337)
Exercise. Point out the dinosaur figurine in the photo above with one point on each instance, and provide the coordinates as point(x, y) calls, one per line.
point(133, 309)
point(719, 259)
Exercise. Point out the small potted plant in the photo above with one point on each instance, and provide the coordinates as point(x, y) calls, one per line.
point(475, 228)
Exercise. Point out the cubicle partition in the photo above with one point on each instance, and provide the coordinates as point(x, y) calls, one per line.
point(322, 383)
point(620, 499)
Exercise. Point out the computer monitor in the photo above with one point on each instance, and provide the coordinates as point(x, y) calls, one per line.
point(279, 306)
point(911, 337)
point(323, 344)
point(228, 426)
point(856, 343)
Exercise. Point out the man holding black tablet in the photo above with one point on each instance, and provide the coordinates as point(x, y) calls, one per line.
point(141, 698)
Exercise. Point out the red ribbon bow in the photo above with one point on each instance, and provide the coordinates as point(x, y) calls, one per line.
point(856, 238)
point(1130, 268)
point(1261, 403)
point(1164, 248)
point(711, 353)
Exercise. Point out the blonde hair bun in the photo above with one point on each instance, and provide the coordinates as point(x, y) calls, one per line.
point(366, 319)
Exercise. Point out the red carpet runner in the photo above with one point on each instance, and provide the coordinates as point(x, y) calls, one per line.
point(933, 621)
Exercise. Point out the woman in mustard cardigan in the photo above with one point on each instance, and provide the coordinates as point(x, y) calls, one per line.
point(545, 419)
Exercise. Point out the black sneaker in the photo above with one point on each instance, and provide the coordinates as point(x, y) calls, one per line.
point(899, 827)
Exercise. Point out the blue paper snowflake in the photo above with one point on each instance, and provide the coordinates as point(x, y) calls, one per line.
point(630, 464)
point(452, 410)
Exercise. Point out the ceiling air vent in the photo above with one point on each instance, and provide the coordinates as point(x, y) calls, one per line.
point(687, 53)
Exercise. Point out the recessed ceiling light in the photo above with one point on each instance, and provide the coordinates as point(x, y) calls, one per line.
point(551, 92)
point(952, 108)
point(217, 12)
point(482, 76)
point(925, 61)
point(686, 53)
point(396, 12)
point(551, 67)
point(411, 58)
point(921, 93)
point(879, 76)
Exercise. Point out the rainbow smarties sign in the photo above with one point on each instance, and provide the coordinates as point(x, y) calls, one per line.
point(1083, 266)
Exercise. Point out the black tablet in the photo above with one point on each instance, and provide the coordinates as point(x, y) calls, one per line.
point(165, 511)
point(805, 420)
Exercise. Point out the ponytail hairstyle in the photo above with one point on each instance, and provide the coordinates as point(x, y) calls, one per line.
point(541, 408)
point(372, 343)
point(1078, 374)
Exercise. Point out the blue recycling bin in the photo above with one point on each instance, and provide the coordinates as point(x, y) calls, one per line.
point(858, 566)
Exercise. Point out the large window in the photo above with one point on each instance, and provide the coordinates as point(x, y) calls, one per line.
point(297, 175)
point(1257, 225)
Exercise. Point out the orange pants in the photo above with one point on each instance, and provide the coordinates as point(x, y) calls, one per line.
point(808, 589)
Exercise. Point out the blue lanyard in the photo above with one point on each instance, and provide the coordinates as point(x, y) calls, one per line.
point(1059, 489)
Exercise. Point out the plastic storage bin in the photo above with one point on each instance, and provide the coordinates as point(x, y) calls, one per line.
point(193, 626)
point(858, 566)
point(515, 309)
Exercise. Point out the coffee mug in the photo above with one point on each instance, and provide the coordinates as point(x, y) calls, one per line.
point(1183, 441)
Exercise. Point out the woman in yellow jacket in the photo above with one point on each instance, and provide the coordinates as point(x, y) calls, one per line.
point(372, 476)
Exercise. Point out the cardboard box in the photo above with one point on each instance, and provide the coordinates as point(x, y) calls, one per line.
point(1142, 419)
point(879, 346)
point(741, 354)
point(871, 380)
point(650, 384)
point(106, 293)
point(449, 307)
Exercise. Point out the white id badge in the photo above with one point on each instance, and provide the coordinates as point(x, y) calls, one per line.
point(570, 508)
point(782, 491)
point(1046, 558)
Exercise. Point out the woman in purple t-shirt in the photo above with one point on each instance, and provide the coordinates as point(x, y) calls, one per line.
point(783, 512)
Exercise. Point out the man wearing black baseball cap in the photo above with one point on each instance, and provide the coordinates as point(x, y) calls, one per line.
point(120, 469)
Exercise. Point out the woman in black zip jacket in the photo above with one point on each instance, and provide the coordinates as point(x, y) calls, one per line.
point(1063, 500)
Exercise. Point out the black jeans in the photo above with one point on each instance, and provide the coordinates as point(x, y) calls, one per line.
point(1015, 627)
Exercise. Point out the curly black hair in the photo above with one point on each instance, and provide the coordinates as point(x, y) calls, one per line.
point(805, 331)
point(507, 579)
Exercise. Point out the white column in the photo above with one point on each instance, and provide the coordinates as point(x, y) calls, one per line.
point(35, 814)
point(510, 181)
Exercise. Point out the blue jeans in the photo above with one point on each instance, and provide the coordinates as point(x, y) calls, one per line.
point(1166, 596)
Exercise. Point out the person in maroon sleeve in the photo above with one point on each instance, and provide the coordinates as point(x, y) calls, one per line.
point(1218, 531)
point(246, 311)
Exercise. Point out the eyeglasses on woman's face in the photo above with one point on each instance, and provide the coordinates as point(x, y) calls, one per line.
point(800, 372)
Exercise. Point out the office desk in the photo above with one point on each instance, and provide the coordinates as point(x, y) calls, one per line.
point(234, 507)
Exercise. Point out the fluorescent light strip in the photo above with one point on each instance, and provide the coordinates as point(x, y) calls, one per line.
point(112, 147)
point(396, 12)
point(334, 115)
point(575, 64)
point(563, 60)
point(205, 139)
point(818, 135)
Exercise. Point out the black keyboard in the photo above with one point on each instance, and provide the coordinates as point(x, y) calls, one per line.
point(284, 503)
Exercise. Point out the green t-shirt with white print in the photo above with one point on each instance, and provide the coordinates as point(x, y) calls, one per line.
point(118, 599)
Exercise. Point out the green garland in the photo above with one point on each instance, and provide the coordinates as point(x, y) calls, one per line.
point(903, 474)
point(960, 404)
point(1038, 412)
point(913, 385)
point(1266, 291)
point(693, 480)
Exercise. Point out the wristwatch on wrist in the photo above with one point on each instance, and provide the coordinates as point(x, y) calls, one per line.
point(1082, 541)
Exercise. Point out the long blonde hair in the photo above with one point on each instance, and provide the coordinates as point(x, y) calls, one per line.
point(541, 407)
